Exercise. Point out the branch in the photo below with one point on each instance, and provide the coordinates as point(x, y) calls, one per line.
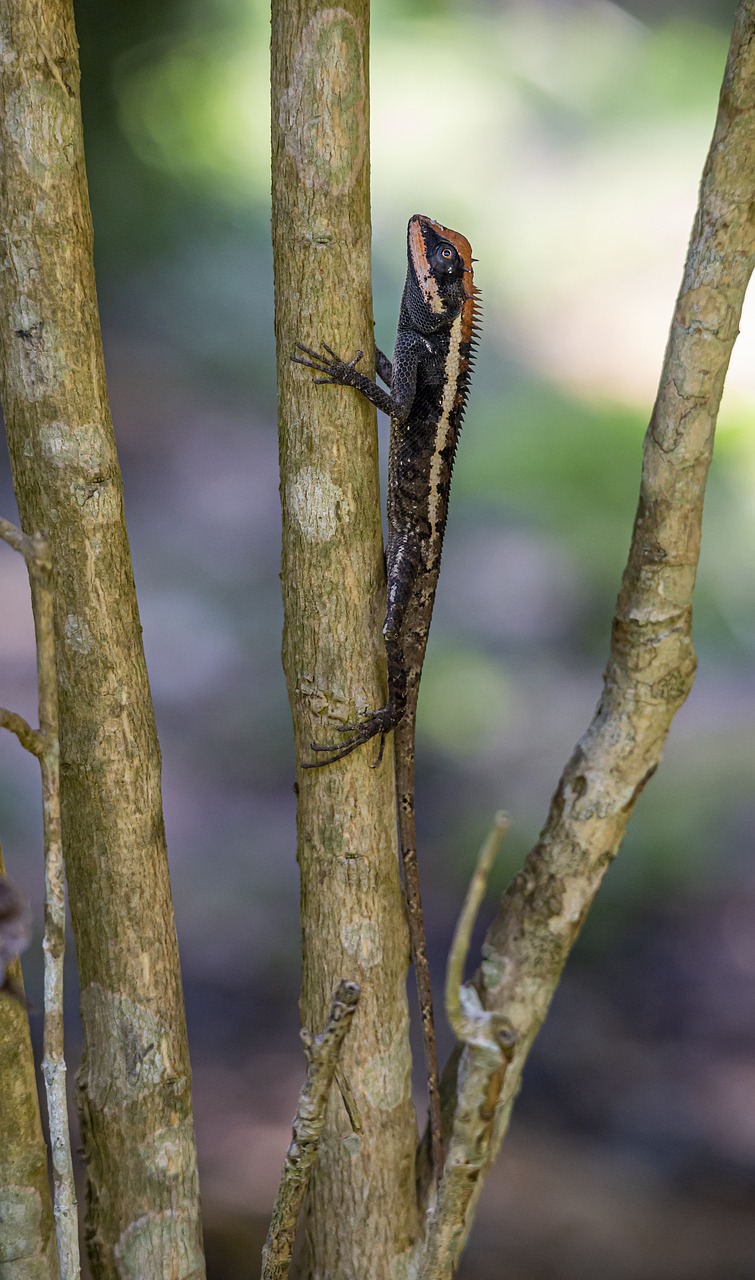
point(489, 1040)
point(44, 743)
point(14, 537)
point(652, 663)
point(30, 739)
point(457, 957)
point(323, 1053)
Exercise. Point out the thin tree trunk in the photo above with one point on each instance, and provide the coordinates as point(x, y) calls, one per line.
point(27, 1236)
point(137, 1124)
point(361, 1215)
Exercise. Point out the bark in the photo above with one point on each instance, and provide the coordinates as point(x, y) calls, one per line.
point(135, 1099)
point(323, 1053)
point(27, 1237)
point(652, 661)
point(361, 1218)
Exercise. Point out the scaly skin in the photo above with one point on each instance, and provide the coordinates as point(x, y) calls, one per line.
point(429, 383)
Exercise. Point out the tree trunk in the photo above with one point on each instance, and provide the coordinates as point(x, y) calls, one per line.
point(361, 1215)
point(135, 1100)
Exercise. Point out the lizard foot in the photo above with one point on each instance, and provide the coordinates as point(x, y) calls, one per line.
point(338, 372)
point(377, 722)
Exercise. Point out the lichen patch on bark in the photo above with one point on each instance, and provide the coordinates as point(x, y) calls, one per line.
point(136, 1057)
point(361, 939)
point(160, 1240)
point(387, 1076)
point(325, 131)
point(317, 504)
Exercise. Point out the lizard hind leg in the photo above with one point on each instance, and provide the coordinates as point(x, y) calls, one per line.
point(377, 722)
point(403, 560)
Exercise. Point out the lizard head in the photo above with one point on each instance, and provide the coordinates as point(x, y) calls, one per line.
point(440, 262)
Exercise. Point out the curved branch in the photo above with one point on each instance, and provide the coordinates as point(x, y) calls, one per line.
point(30, 739)
point(651, 665)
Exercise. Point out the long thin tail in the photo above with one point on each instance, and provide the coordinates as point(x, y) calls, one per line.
point(404, 749)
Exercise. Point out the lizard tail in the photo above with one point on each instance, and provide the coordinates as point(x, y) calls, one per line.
point(404, 747)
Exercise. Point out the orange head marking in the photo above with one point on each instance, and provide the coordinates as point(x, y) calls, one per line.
point(429, 243)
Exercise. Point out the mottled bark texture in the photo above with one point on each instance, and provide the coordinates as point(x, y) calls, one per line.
point(361, 1218)
point(137, 1125)
point(27, 1238)
point(323, 1053)
point(652, 662)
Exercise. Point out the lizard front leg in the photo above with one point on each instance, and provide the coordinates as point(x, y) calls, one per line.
point(344, 373)
point(401, 375)
point(383, 366)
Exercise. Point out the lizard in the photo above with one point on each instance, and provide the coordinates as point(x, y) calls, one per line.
point(428, 381)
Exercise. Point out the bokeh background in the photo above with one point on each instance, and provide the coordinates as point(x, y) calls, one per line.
point(566, 140)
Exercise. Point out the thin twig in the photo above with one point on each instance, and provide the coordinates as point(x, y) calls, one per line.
point(489, 1041)
point(30, 739)
point(44, 743)
point(323, 1053)
point(457, 956)
point(14, 537)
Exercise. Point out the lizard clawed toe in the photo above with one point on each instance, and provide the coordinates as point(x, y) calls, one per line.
point(335, 370)
point(333, 753)
point(376, 722)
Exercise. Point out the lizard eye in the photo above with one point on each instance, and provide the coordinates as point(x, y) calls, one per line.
point(447, 262)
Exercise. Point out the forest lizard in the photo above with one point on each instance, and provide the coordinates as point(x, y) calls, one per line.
point(429, 383)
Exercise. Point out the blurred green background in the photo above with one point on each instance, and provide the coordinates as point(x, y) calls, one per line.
point(566, 141)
